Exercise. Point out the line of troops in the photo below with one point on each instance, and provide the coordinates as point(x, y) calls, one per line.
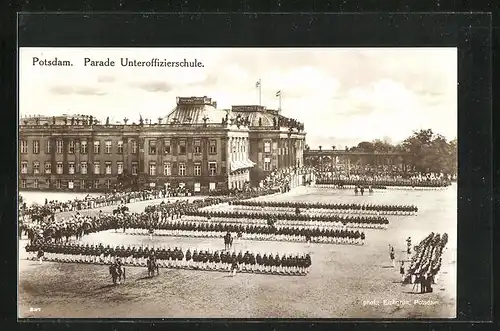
point(285, 219)
point(174, 258)
point(291, 217)
point(354, 222)
point(303, 219)
point(327, 206)
point(298, 234)
point(179, 208)
point(322, 183)
point(385, 183)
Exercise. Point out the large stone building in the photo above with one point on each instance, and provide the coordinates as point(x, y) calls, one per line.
point(275, 140)
point(196, 146)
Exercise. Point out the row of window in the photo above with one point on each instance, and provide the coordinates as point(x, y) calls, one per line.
point(70, 184)
point(182, 147)
point(83, 168)
point(267, 148)
point(108, 147)
point(96, 184)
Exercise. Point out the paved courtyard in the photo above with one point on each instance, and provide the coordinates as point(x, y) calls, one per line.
point(344, 282)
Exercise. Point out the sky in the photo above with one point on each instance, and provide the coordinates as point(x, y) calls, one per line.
point(342, 95)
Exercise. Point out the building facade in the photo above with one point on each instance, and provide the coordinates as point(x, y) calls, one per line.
point(275, 140)
point(196, 146)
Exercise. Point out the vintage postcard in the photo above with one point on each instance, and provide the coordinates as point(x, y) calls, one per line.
point(237, 183)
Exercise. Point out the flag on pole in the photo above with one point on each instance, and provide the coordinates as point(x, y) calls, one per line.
point(257, 85)
point(278, 94)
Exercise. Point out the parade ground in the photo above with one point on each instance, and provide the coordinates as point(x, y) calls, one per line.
point(345, 281)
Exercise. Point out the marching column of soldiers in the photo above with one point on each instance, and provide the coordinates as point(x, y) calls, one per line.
point(320, 207)
point(286, 264)
point(288, 217)
point(349, 222)
point(210, 223)
point(256, 232)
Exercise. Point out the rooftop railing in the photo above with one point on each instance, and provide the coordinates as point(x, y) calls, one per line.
point(123, 126)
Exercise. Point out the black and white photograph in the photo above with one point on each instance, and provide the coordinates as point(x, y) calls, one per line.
point(237, 183)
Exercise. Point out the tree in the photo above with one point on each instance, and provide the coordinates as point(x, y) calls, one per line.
point(453, 160)
point(382, 146)
point(320, 147)
point(365, 146)
point(431, 152)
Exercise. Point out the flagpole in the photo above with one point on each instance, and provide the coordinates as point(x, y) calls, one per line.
point(279, 107)
point(260, 92)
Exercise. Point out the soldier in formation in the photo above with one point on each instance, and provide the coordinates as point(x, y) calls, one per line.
point(316, 234)
point(322, 208)
point(286, 264)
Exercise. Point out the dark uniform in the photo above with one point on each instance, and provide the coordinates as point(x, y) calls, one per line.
point(277, 263)
point(265, 265)
point(402, 271)
point(284, 264)
point(217, 260)
point(270, 262)
point(252, 262)
point(308, 262)
point(234, 265)
point(40, 254)
point(391, 254)
point(188, 258)
point(408, 246)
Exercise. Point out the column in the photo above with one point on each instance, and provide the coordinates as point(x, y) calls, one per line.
point(230, 148)
point(237, 144)
point(229, 161)
point(240, 148)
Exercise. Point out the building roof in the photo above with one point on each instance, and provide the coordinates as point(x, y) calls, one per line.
point(254, 113)
point(194, 110)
